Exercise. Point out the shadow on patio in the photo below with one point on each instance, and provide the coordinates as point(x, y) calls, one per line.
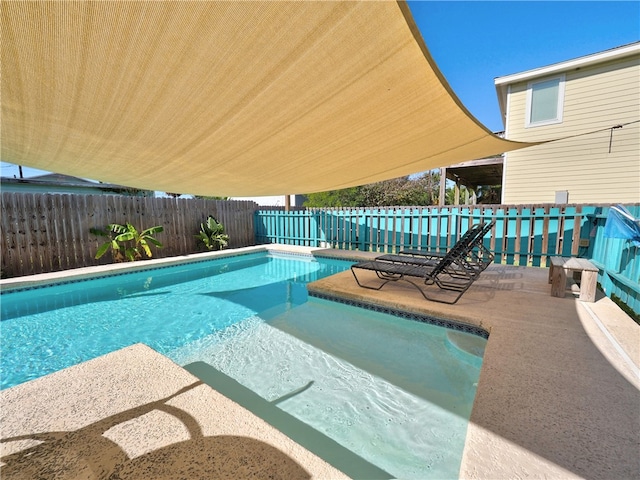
point(135, 414)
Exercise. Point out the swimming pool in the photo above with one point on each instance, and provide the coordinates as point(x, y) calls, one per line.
point(397, 393)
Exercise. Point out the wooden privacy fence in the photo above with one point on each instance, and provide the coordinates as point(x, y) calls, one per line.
point(50, 232)
point(522, 235)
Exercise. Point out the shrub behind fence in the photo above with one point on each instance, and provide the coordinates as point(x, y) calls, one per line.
point(50, 232)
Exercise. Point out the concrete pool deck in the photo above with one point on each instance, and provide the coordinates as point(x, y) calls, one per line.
point(558, 397)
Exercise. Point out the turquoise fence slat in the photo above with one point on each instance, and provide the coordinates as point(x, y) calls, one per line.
point(343, 230)
point(538, 234)
point(360, 229)
point(510, 232)
point(337, 229)
point(291, 224)
point(390, 222)
point(373, 222)
point(465, 221)
point(489, 239)
point(524, 236)
point(500, 234)
point(416, 230)
point(444, 226)
point(553, 233)
point(454, 227)
point(586, 229)
point(567, 231)
point(406, 228)
point(434, 230)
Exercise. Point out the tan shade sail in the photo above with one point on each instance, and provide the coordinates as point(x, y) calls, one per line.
point(228, 98)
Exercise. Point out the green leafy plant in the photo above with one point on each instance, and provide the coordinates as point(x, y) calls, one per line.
point(126, 243)
point(212, 234)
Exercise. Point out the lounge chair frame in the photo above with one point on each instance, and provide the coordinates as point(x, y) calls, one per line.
point(454, 271)
point(478, 256)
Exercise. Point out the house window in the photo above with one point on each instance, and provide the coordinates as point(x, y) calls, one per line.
point(544, 101)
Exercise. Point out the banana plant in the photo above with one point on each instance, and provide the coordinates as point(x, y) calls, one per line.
point(212, 234)
point(126, 243)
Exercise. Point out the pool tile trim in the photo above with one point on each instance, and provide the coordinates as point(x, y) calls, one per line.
point(149, 268)
point(440, 322)
point(117, 274)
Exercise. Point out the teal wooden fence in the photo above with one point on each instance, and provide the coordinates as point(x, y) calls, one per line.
point(522, 235)
point(617, 259)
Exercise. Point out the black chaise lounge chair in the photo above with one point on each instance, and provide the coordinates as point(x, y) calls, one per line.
point(478, 257)
point(453, 271)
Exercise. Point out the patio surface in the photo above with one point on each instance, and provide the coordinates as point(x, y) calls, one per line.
point(558, 397)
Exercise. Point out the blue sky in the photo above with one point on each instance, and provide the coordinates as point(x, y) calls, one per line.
point(474, 42)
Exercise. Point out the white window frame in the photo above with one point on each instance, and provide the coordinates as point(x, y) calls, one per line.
point(559, 108)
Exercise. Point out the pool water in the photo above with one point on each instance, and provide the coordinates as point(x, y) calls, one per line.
point(396, 392)
point(46, 329)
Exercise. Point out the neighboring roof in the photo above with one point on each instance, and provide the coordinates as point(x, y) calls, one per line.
point(56, 179)
point(228, 98)
point(502, 83)
point(53, 179)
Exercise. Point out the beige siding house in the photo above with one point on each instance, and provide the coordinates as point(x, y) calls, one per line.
point(592, 105)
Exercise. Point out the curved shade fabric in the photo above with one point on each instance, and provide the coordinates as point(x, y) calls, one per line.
point(228, 98)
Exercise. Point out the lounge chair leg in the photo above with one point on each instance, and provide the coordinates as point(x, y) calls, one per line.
point(367, 286)
point(431, 299)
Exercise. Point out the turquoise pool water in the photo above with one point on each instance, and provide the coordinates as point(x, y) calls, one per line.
point(397, 393)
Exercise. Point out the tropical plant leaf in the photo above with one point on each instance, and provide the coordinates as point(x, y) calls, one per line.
point(116, 228)
point(125, 237)
point(152, 230)
point(146, 248)
point(154, 241)
point(212, 234)
point(102, 249)
point(125, 241)
point(99, 232)
point(130, 253)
